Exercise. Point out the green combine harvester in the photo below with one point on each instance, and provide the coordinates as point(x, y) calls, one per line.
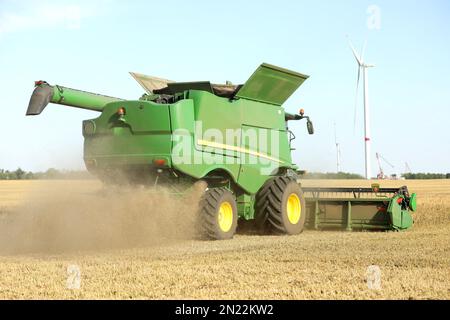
point(232, 138)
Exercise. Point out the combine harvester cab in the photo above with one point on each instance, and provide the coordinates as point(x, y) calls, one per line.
point(137, 141)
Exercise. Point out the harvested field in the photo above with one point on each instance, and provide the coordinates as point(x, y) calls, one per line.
point(125, 259)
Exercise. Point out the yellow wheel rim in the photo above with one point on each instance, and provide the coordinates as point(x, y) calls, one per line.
point(225, 216)
point(294, 208)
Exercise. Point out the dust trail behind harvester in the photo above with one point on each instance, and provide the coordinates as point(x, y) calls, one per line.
point(65, 217)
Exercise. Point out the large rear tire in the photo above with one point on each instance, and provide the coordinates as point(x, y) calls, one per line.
point(280, 206)
point(218, 214)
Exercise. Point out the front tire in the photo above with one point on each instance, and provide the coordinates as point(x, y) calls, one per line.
point(280, 206)
point(218, 214)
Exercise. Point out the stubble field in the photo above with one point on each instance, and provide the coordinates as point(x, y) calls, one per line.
point(131, 245)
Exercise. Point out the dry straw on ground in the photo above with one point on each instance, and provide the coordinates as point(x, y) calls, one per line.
point(129, 244)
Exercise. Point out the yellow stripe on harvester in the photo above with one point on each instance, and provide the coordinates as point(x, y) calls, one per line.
point(236, 148)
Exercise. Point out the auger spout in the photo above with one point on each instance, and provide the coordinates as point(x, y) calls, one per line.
point(44, 94)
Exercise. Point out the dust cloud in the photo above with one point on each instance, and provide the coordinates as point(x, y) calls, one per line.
point(69, 217)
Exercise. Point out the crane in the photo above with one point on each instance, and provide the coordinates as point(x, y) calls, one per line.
point(381, 174)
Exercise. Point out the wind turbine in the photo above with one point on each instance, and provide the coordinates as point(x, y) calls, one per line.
point(364, 66)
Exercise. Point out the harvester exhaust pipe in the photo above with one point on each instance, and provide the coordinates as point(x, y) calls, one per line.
point(44, 94)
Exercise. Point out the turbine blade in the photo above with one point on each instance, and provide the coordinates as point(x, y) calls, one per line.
point(356, 100)
point(363, 50)
point(358, 59)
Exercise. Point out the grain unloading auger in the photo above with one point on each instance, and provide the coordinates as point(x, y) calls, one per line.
point(44, 94)
point(233, 138)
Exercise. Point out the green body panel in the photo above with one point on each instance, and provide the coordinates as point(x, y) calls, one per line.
point(413, 202)
point(401, 219)
point(149, 131)
point(209, 116)
point(255, 169)
point(142, 135)
point(233, 119)
point(271, 84)
point(80, 99)
point(245, 206)
point(183, 125)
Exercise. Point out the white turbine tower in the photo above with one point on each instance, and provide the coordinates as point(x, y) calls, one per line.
point(364, 66)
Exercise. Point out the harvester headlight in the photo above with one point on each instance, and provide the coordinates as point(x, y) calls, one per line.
point(121, 111)
point(39, 83)
point(159, 162)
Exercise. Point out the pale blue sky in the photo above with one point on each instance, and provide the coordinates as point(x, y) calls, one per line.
point(91, 45)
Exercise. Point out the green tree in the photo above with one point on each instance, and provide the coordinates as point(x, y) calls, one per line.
point(52, 173)
point(19, 173)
